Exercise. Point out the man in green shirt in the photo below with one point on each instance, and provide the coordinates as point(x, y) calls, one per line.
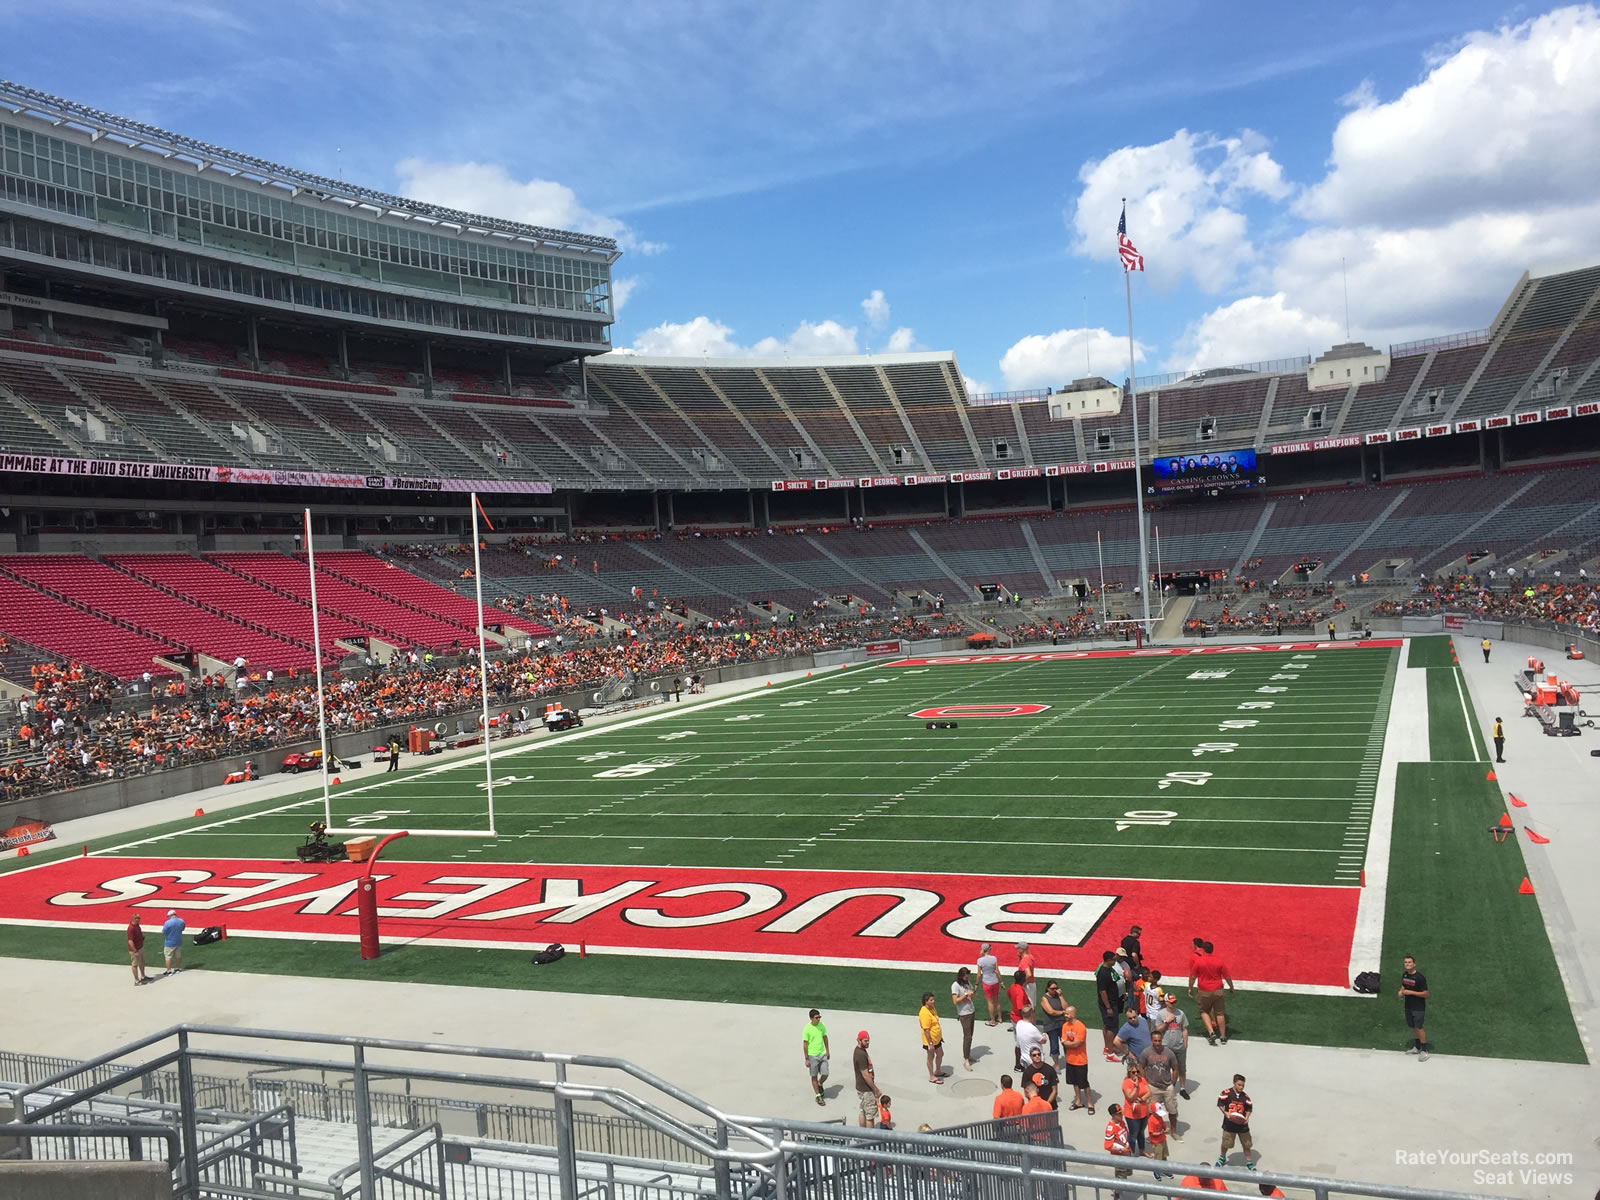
point(815, 1040)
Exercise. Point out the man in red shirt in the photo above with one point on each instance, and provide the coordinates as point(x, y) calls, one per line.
point(1211, 973)
point(1009, 1102)
point(136, 950)
point(1017, 995)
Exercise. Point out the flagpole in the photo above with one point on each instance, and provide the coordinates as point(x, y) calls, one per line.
point(1138, 474)
point(316, 651)
point(483, 664)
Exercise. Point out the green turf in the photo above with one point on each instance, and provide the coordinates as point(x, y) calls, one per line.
point(747, 792)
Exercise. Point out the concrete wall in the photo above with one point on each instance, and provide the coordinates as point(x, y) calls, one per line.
point(77, 1180)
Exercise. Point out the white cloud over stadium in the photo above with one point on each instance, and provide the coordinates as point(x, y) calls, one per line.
point(1433, 202)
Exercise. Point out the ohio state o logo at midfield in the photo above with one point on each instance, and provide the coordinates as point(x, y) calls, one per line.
point(952, 711)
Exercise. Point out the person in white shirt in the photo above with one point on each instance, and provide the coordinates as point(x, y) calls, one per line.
point(1029, 1036)
point(989, 976)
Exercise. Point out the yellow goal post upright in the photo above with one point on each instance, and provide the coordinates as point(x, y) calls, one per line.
point(483, 691)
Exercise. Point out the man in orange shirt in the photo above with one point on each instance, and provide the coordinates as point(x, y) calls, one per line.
point(1204, 1182)
point(1211, 973)
point(1035, 1103)
point(1009, 1102)
point(1075, 1041)
point(1156, 1133)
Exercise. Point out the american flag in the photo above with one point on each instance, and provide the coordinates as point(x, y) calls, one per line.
point(1132, 260)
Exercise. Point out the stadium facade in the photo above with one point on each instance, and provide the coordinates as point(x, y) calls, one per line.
point(186, 325)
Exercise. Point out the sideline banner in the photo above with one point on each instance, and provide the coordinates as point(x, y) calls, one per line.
point(1281, 934)
point(112, 468)
point(26, 832)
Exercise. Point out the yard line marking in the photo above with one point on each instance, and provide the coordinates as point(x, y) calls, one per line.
point(1466, 717)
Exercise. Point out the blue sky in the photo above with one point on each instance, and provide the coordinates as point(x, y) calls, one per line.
point(847, 177)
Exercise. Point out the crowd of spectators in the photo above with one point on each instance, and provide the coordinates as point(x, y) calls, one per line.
point(1573, 604)
point(81, 730)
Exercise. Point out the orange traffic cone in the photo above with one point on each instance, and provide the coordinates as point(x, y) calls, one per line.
point(1538, 839)
point(85, 853)
point(1505, 820)
point(22, 852)
point(334, 782)
point(199, 812)
point(1517, 801)
point(1491, 776)
point(1526, 889)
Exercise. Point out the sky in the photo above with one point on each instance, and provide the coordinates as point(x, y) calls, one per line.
point(840, 178)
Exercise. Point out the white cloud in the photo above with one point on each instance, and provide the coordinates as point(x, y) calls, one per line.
point(1431, 205)
point(901, 341)
point(975, 387)
point(823, 337)
point(1184, 198)
point(704, 336)
point(1054, 359)
point(489, 190)
point(622, 287)
point(876, 308)
point(1507, 119)
point(689, 339)
point(1251, 330)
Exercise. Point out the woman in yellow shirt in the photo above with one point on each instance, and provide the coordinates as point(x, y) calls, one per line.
point(932, 1039)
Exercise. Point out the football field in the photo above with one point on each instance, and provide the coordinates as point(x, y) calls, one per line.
point(864, 823)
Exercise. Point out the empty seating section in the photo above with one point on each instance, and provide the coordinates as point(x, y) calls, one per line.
point(864, 395)
point(210, 585)
point(39, 386)
point(127, 396)
point(720, 564)
point(1235, 406)
point(1321, 528)
point(516, 431)
point(1431, 515)
point(19, 341)
point(798, 556)
point(924, 392)
point(1449, 370)
point(1577, 354)
point(20, 433)
point(296, 417)
point(629, 431)
point(459, 424)
point(710, 417)
point(612, 455)
point(1513, 362)
point(1294, 400)
point(1052, 440)
point(390, 580)
point(1067, 542)
point(987, 552)
point(412, 423)
point(1556, 502)
point(73, 633)
point(1557, 301)
point(746, 392)
point(890, 558)
point(392, 622)
point(995, 423)
point(291, 438)
point(108, 590)
point(814, 407)
point(1375, 403)
point(624, 567)
point(1203, 537)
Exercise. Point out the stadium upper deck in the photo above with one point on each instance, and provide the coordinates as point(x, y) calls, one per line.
point(95, 196)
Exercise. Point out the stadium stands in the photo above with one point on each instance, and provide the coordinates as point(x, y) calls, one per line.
point(61, 627)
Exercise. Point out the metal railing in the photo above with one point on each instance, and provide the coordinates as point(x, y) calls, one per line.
point(680, 1147)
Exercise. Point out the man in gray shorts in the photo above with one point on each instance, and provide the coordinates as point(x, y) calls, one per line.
point(1173, 1023)
point(867, 1092)
point(814, 1038)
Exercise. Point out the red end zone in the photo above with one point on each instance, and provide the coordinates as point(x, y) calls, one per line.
point(1269, 933)
point(1153, 652)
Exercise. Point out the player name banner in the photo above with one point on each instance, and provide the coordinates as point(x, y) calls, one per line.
point(26, 833)
point(872, 481)
point(791, 485)
point(1283, 935)
point(111, 468)
point(1067, 469)
point(878, 649)
point(1019, 473)
point(971, 476)
point(828, 485)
